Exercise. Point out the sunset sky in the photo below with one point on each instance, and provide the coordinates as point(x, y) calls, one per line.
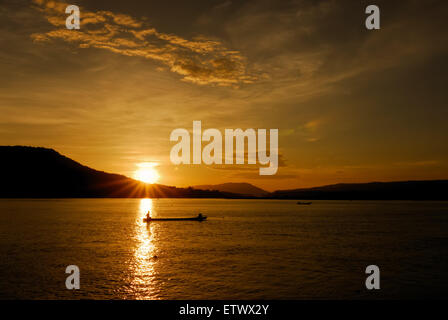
point(351, 105)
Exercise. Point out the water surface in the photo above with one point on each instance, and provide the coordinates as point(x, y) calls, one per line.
point(247, 249)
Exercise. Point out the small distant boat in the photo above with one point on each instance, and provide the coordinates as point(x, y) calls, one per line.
point(304, 203)
point(198, 218)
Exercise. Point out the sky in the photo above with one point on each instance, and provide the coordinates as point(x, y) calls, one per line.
point(350, 104)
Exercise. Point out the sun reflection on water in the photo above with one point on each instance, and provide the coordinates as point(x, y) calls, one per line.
point(145, 255)
point(145, 206)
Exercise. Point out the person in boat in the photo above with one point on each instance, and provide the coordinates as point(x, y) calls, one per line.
point(148, 216)
point(200, 216)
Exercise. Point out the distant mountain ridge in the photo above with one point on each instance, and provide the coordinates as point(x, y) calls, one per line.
point(242, 188)
point(35, 172)
point(398, 190)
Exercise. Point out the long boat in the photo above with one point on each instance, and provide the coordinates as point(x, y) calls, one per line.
point(175, 219)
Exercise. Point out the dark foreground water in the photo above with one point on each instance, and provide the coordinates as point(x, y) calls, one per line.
point(248, 249)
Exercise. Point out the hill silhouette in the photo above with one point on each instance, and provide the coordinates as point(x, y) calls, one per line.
point(35, 172)
point(400, 190)
point(233, 187)
point(30, 172)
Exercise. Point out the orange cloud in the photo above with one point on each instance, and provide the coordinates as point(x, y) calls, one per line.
point(201, 61)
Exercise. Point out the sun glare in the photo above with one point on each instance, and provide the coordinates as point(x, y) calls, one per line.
point(147, 173)
point(145, 206)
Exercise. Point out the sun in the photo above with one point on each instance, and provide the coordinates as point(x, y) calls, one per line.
point(146, 172)
point(147, 175)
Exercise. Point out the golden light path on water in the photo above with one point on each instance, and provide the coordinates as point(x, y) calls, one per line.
point(145, 255)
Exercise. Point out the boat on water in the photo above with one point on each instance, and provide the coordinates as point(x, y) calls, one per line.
point(200, 217)
point(304, 203)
